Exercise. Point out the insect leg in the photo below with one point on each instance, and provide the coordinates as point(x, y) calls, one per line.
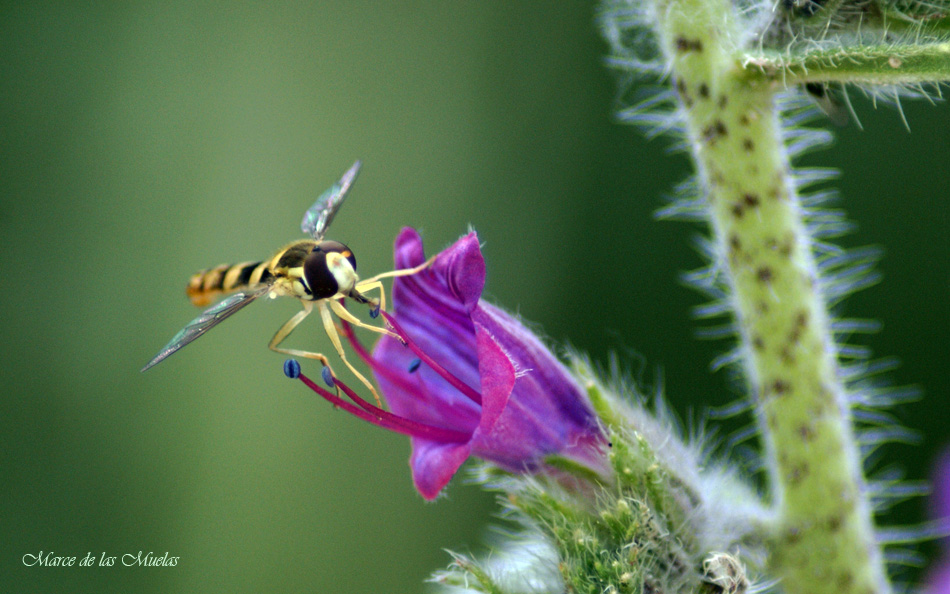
point(395, 273)
point(364, 287)
point(371, 283)
point(285, 331)
point(346, 315)
point(335, 339)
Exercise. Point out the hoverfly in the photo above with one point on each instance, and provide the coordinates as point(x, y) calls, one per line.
point(318, 272)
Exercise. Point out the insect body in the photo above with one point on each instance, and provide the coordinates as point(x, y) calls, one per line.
point(303, 269)
point(318, 272)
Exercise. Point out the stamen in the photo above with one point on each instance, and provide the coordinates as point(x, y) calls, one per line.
point(373, 414)
point(456, 382)
point(383, 371)
point(327, 377)
point(422, 429)
point(292, 368)
point(414, 365)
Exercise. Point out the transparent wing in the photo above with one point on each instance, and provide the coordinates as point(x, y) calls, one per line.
point(211, 317)
point(318, 218)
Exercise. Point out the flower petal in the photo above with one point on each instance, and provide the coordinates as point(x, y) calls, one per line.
point(460, 268)
point(498, 379)
point(434, 464)
point(423, 395)
point(547, 411)
point(528, 405)
point(433, 308)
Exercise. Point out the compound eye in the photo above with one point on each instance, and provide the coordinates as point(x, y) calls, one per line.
point(321, 279)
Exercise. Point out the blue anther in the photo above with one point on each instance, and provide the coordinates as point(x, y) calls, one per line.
point(374, 313)
point(328, 377)
point(292, 368)
point(414, 365)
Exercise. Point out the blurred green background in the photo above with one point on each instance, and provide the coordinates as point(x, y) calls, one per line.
point(145, 141)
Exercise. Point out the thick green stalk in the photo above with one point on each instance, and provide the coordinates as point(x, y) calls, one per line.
point(824, 541)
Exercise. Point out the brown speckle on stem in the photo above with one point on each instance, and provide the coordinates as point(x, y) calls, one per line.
point(797, 473)
point(714, 131)
point(806, 432)
point(684, 45)
point(786, 355)
point(683, 92)
point(779, 387)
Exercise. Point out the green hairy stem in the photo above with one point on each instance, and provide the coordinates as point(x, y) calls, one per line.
point(824, 541)
point(876, 65)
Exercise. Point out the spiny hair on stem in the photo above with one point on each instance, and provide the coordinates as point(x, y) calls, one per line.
point(522, 560)
point(788, 25)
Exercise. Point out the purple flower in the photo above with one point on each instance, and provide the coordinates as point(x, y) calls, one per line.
point(939, 580)
point(471, 380)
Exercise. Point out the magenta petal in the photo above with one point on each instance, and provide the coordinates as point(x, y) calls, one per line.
point(547, 407)
point(464, 270)
point(434, 464)
point(407, 250)
point(458, 270)
point(434, 316)
point(422, 396)
point(527, 405)
point(542, 378)
point(498, 379)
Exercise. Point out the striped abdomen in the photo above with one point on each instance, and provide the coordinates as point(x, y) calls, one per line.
point(207, 285)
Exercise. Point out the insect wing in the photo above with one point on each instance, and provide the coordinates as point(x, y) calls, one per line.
point(318, 218)
point(210, 318)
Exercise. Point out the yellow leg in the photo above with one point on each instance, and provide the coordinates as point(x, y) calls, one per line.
point(359, 292)
point(395, 273)
point(335, 339)
point(369, 284)
point(365, 287)
point(285, 331)
point(346, 315)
